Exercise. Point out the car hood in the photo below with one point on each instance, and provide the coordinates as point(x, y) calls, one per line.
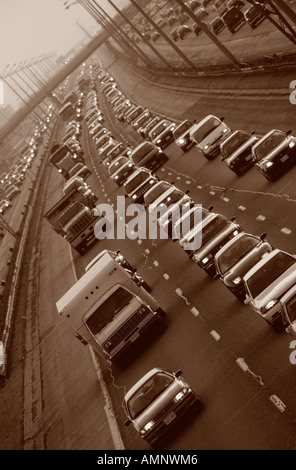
point(274, 153)
point(215, 241)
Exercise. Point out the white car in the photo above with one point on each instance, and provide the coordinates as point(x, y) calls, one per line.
point(4, 205)
point(207, 135)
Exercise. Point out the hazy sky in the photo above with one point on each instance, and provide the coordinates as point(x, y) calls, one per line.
point(29, 28)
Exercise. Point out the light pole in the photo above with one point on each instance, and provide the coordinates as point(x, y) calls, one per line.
point(156, 52)
point(165, 36)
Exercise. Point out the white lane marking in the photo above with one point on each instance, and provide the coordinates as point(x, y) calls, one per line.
point(261, 217)
point(215, 335)
point(286, 230)
point(277, 402)
point(166, 276)
point(242, 208)
point(194, 311)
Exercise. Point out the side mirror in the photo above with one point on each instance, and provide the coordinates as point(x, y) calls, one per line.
point(210, 208)
point(173, 182)
point(178, 373)
point(187, 191)
point(252, 132)
point(194, 121)
point(117, 252)
point(174, 240)
point(263, 236)
point(289, 132)
point(216, 276)
point(222, 118)
point(232, 218)
point(127, 422)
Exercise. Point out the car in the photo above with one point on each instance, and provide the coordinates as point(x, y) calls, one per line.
point(181, 135)
point(165, 137)
point(254, 16)
point(234, 19)
point(275, 153)
point(155, 36)
point(236, 258)
point(288, 306)
point(150, 124)
point(267, 282)
point(172, 20)
point(157, 401)
point(217, 25)
point(197, 29)
point(138, 183)
point(105, 149)
point(79, 170)
point(201, 13)
point(235, 3)
point(174, 34)
point(101, 141)
point(142, 120)
point(148, 155)
point(119, 149)
point(134, 114)
point(4, 205)
point(183, 18)
point(119, 174)
point(184, 31)
point(212, 233)
point(158, 129)
point(157, 190)
point(193, 4)
point(191, 217)
point(12, 192)
point(207, 135)
point(236, 150)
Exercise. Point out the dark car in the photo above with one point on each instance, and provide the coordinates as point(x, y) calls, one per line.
point(254, 16)
point(197, 29)
point(236, 150)
point(149, 126)
point(234, 19)
point(148, 155)
point(182, 136)
point(184, 31)
point(235, 3)
point(174, 34)
point(275, 153)
point(172, 20)
point(217, 25)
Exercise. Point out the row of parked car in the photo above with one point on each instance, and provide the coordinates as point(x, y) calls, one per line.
point(248, 265)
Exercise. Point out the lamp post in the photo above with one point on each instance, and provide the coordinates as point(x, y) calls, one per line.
point(156, 52)
point(165, 36)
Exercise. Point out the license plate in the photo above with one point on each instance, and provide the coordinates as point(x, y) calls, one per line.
point(284, 158)
point(169, 418)
point(134, 337)
point(248, 157)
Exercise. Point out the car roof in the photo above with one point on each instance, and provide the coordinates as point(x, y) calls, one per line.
point(267, 135)
point(263, 261)
point(140, 382)
point(200, 123)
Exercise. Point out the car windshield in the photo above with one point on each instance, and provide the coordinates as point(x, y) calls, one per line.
point(291, 308)
point(182, 128)
point(148, 393)
point(105, 313)
point(213, 228)
point(159, 128)
point(233, 143)
point(156, 192)
point(235, 252)
point(136, 181)
point(139, 154)
point(113, 168)
point(205, 129)
point(268, 144)
point(269, 272)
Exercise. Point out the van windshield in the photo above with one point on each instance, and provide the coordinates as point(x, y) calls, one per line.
point(205, 129)
point(147, 393)
point(105, 313)
point(269, 272)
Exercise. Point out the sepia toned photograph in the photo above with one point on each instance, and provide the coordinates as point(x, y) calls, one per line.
point(147, 228)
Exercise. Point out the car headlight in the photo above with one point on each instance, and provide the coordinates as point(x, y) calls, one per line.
point(151, 181)
point(268, 164)
point(292, 144)
point(147, 427)
point(180, 395)
point(205, 260)
point(134, 196)
point(107, 344)
point(181, 141)
point(166, 222)
point(225, 130)
point(237, 280)
point(159, 150)
point(235, 233)
point(130, 165)
point(116, 177)
point(158, 141)
point(59, 170)
point(206, 147)
point(269, 305)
